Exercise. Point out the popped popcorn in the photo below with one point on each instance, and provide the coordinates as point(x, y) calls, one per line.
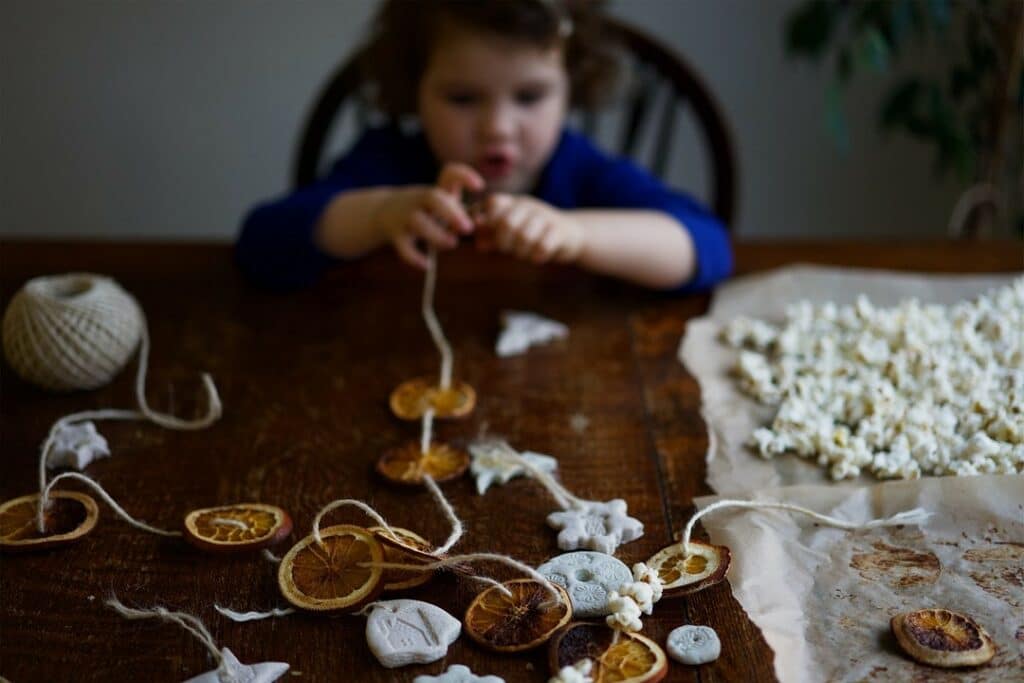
point(899, 392)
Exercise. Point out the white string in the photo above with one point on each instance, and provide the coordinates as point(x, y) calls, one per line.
point(431, 319)
point(472, 557)
point(370, 512)
point(253, 616)
point(449, 512)
point(267, 555)
point(214, 409)
point(427, 432)
point(915, 516)
point(186, 621)
point(110, 501)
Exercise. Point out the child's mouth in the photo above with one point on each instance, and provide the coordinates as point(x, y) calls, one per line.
point(496, 166)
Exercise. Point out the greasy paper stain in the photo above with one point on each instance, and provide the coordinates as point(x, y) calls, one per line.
point(1000, 573)
point(899, 567)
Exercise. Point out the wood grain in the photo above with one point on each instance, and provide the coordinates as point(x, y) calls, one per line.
point(305, 379)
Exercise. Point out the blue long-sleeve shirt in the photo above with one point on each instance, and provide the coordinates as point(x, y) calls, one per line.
point(276, 244)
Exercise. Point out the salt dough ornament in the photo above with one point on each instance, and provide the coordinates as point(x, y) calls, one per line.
point(523, 330)
point(401, 632)
point(600, 526)
point(693, 644)
point(233, 671)
point(76, 445)
point(588, 577)
point(458, 673)
point(491, 466)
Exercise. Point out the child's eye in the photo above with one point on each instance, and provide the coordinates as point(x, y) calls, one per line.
point(528, 97)
point(459, 99)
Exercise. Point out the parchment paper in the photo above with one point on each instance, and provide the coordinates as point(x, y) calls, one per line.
point(731, 416)
point(823, 597)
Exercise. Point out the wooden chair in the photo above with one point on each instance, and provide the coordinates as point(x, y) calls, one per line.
point(661, 86)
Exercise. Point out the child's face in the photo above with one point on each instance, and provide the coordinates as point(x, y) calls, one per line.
point(494, 104)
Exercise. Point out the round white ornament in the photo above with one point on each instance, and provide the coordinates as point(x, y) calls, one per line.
point(693, 644)
point(588, 577)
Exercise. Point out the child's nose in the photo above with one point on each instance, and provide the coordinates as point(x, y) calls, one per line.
point(499, 121)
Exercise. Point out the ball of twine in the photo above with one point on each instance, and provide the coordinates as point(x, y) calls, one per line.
point(72, 331)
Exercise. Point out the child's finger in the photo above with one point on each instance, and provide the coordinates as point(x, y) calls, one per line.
point(454, 177)
point(423, 225)
point(405, 245)
point(447, 209)
point(510, 226)
point(545, 249)
point(530, 235)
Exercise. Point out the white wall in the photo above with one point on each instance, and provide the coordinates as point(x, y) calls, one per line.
point(161, 119)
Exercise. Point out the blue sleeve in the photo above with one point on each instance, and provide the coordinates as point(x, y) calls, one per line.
point(275, 246)
point(618, 183)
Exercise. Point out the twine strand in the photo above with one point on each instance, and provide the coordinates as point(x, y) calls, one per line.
point(429, 282)
point(110, 501)
point(186, 621)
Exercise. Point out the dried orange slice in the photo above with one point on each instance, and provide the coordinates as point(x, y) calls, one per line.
point(407, 464)
point(624, 658)
point(69, 516)
point(681, 574)
point(332, 577)
point(402, 545)
point(411, 399)
point(939, 637)
point(518, 622)
point(239, 527)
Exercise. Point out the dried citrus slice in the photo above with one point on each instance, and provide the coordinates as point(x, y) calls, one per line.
point(69, 516)
point(402, 545)
point(517, 622)
point(939, 637)
point(239, 527)
point(625, 658)
point(332, 576)
point(411, 399)
point(407, 464)
point(704, 566)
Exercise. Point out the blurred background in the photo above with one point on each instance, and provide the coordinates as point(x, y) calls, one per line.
point(167, 120)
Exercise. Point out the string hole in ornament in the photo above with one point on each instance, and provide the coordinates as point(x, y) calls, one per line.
point(584, 575)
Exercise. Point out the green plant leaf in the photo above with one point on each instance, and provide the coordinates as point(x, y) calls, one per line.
point(873, 51)
point(835, 118)
point(809, 28)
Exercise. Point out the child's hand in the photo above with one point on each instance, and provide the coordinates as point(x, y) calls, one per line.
point(430, 214)
point(529, 229)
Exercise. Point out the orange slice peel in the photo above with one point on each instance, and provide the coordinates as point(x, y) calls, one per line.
point(682, 573)
point(237, 528)
point(411, 399)
point(68, 517)
point(406, 547)
point(521, 621)
point(337, 574)
point(616, 655)
point(942, 638)
point(407, 464)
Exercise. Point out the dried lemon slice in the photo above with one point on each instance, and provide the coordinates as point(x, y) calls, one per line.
point(626, 658)
point(332, 576)
point(517, 622)
point(939, 637)
point(407, 464)
point(704, 566)
point(239, 527)
point(411, 399)
point(402, 545)
point(69, 516)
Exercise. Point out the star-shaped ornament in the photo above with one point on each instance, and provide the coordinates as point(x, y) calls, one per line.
point(596, 526)
point(76, 445)
point(492, 464)
point(233, 671)
point(458, 673)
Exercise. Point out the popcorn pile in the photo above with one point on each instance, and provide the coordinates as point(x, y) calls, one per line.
point(899, 392)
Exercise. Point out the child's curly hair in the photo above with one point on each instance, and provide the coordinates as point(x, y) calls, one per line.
point(404, 31)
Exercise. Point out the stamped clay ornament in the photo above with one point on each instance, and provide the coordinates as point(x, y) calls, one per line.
point(458, 673)
point(401, 632)
point(588, 577)
point(692, 644)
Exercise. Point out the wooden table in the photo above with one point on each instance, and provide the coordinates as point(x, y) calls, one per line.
point(305, 378)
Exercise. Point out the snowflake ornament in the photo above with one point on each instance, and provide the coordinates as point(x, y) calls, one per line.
point(76, 445)
point(491, 465)
point(600, 526)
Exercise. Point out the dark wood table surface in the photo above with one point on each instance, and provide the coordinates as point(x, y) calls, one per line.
point(305, 378)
